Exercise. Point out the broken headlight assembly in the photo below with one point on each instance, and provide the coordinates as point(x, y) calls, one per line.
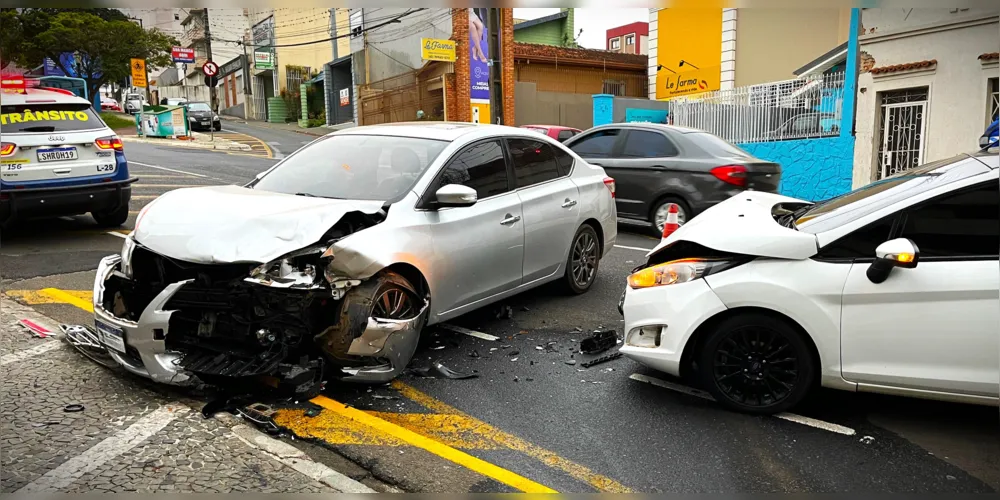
point(297, 270)
point(678, 271)
point(127, 248)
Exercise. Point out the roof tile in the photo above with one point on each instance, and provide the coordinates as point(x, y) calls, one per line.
point(895, 68)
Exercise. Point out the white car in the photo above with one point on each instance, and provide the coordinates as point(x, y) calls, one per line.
point(893, 288)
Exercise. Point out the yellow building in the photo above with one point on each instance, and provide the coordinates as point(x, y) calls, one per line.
point(293, 26)
point(694, 50)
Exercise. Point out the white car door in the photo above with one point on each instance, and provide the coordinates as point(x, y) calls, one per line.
point(933, 327)
point(484, 243)
point(550, 201)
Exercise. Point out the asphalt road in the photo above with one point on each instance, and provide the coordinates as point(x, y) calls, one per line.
point(581, 429)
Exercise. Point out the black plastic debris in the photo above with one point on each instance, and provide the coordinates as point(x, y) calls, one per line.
point(474, 354)
point(514, 353)
point(438, 370)
point(504, 312)
point(602, 359)
point(73, 408)
point(599, 342)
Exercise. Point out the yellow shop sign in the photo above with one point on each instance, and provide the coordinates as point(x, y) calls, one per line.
point(689, 82)
point(435, 49)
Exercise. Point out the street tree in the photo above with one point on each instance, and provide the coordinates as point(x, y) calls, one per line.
point(103, 48)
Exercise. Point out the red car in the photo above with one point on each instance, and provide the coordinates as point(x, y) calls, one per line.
point(109, 104)
point(554, 131)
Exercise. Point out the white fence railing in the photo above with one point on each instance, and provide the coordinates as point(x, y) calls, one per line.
point(792, 109)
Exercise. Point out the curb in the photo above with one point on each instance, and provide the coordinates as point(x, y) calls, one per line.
point(188, 144)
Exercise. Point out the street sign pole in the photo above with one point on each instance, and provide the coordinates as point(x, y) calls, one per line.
point(211, 70)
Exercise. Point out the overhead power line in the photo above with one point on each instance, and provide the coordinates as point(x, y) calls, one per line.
point(345, 35)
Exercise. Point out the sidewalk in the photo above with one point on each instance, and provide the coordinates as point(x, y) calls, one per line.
point(289, 127)
point(127, 434)
point(200, 141)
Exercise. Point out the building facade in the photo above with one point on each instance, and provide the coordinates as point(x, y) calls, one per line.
point(556, 29)
point(628, 39)
point(928, 86)
point(726, 48)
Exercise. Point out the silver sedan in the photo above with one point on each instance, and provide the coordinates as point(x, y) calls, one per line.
point(330, 263)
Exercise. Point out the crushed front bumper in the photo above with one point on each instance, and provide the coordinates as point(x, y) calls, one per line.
point(145, 336)
point(393, 341)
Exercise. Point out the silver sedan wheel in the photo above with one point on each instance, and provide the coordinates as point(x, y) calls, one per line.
point(584, 261)
point(660, 217)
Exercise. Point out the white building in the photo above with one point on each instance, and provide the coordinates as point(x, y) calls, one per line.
point(927, 88)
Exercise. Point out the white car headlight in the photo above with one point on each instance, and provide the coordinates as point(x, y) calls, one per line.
point(677, 271)
point(288, 271)
point(127, 248)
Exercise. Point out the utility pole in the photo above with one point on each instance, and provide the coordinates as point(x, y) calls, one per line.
point(208, 52)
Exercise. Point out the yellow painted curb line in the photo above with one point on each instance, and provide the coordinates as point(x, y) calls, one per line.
point(61, 296)
point(444, 451)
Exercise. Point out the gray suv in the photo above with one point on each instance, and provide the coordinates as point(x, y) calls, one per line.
point(655, 165)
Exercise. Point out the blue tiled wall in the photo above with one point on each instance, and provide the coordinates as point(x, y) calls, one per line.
point(811, 169)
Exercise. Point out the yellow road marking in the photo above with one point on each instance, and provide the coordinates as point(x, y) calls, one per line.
point(507, 440)
point(69, 298)
point(34, 297)
point(412, 438)
point(440, 433)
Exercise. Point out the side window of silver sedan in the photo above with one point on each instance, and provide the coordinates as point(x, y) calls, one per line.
point(481, 167)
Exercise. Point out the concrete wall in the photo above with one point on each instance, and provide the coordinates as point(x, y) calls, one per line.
point(957, 86)
point(771, 43)
point(301, 25)
point(532, 107)
point(395, 49)
point(811, 169)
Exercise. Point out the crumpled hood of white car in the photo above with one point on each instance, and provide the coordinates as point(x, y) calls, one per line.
point(744, 225)
point(227, 224)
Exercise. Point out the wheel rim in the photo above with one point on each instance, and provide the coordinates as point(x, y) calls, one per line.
point(584, 259)
point(755, 366)
point(661, 215)
point(393, 303)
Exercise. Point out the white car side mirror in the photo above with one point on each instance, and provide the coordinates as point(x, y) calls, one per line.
point(900, 252)
point(455, 195)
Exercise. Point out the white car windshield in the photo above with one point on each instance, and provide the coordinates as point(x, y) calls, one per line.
point(355, 167)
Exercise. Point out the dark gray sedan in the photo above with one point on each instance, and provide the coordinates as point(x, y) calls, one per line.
point(655, 165)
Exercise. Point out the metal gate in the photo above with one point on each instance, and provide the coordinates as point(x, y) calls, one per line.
point(259, 97)
point(902, 131)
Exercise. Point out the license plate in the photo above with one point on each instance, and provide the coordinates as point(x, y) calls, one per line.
point(204, 122)
point(111, 336)
point(57, 154)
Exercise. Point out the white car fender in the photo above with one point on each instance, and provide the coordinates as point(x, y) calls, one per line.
point(806, 291)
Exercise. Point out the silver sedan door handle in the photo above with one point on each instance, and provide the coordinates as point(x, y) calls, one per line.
point(510, 219)
point(569, 203)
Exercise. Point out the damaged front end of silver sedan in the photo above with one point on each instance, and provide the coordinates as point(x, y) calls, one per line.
point(293, 322)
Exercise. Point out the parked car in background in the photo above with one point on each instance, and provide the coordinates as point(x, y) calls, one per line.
point(331, 262)
point(891, 288)
point(201, 116)
point(554, 131)
point(807, 125)
point(59, 158)
point(134, 103)
point(109, 104)
point(173, 101)
point(656, 165)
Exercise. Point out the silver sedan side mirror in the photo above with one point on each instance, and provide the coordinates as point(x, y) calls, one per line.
point(900, 252)
point(455, 195)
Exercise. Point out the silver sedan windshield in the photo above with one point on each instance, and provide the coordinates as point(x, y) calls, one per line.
point(355, 167)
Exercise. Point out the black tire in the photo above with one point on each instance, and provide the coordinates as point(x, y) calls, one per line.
point(683, 208)
point(585, 254)
point(742, 344)
point(113, 218)
point(218, 127)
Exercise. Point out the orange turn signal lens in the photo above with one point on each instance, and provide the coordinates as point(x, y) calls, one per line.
point(676, 271)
